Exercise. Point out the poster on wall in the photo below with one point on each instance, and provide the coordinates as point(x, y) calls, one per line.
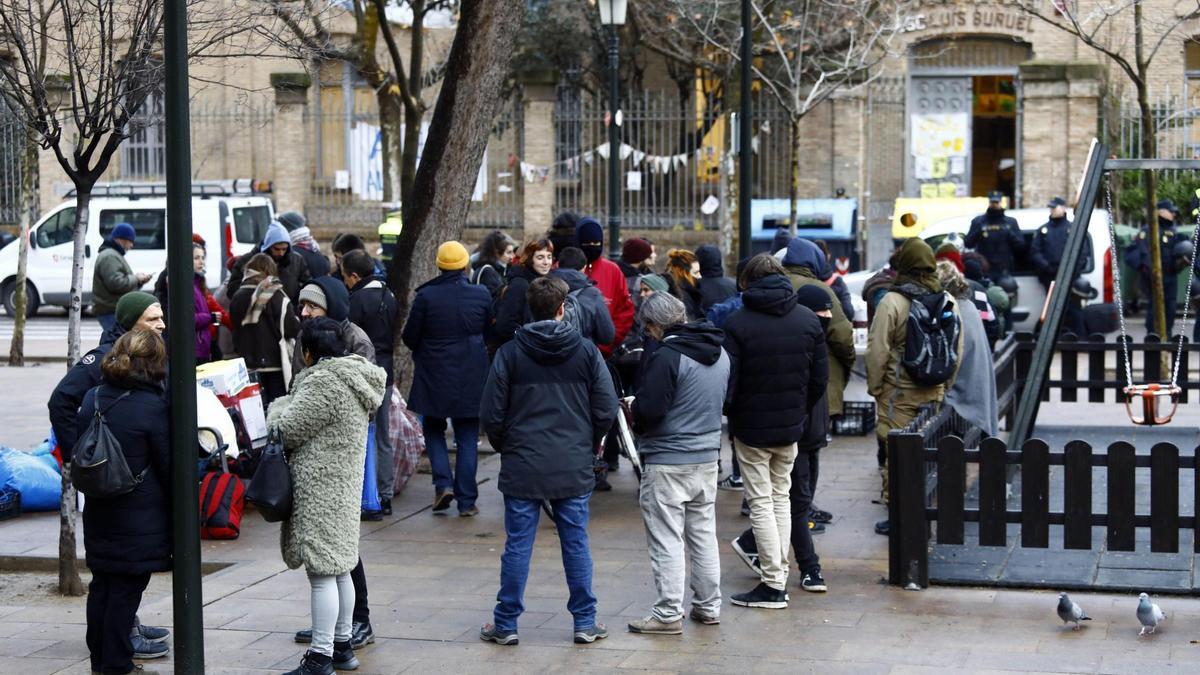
point(940, 135)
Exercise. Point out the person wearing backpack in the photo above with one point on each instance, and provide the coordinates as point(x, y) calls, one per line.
point(585, 308)
point(127, 538)
point(510, 307)
point(900, 386)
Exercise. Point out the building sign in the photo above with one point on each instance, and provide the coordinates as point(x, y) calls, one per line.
point(979, 17)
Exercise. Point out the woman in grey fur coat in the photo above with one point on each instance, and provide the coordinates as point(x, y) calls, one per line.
point(323, 423)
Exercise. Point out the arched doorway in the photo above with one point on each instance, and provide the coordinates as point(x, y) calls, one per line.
point(964, 123)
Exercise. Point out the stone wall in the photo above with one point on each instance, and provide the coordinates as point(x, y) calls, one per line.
point(1061, 116)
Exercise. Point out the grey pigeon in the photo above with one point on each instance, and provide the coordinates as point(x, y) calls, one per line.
point(1070, 611)
point(1149, 614)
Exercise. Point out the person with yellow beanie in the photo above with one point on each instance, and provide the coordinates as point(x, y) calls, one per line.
point(445, 331)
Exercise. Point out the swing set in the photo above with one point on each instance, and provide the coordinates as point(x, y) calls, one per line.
point(1147, 404)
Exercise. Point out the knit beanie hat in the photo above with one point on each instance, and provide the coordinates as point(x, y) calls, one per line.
point(314, 294)
point(291, 220)
point(124, 231)
point(654, 282)
point(636, 251)
point(131, 306)
point(589, 236)
point(301, 234)
point(452, 256)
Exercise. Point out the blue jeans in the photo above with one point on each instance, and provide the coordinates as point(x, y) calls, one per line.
point(462, 479)
point(520, 526)
point(107, 321)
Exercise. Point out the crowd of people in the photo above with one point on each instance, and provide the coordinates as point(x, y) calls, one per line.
point(539, 347)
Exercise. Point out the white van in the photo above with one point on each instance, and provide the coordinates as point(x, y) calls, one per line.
point(230, 216)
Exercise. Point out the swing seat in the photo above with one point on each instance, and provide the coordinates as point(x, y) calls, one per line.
point(1147, 404)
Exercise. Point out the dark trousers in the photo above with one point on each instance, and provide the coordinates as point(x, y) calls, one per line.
point(272, 387)
point(803, 483)
point(112, 601)
point(358, 576)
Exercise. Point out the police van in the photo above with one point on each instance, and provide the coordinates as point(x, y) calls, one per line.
point(231, 216)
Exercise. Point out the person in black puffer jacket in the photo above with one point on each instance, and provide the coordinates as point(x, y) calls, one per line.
point(547, 403)
point(128, 538)
point(715, 287)
point(780, 369)
point(512, 310)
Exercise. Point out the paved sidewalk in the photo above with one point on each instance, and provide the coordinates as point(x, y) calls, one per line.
point(433, 581)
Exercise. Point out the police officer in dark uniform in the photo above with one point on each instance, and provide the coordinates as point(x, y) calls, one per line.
point(998, 238)
point(1137, 257)
point(1046, 253)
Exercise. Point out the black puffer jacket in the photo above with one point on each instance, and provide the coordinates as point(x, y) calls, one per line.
point(715, 288)
point(373, 309)
point(512, 309)
point(131, 534)
point(780, 365)
point(68, 395)
point(547, 403)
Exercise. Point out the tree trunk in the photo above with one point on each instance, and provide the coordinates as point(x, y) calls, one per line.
point(69, 582)
point(458, 134)
point(1150, 151)
point(412, 145)
point(390, 124)
point(29, 214)
point(794, 174)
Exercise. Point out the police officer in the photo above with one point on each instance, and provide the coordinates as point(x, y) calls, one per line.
point(1137, 257)
point(1046, 253)
point(997, 237)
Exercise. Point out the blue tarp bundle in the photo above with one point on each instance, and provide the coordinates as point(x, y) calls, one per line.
point(34, 474)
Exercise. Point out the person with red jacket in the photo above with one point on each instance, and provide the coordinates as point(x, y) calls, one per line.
point(608, 277)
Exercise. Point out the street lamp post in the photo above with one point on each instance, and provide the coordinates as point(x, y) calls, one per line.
point(612, 15)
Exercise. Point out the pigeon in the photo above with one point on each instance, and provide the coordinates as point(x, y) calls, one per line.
point(1149, 614)
point(1070, 611)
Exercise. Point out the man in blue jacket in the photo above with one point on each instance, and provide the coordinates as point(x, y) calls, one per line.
point(547, 403)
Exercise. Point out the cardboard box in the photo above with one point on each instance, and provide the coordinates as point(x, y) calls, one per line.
point(223, 378)
point(249, 405)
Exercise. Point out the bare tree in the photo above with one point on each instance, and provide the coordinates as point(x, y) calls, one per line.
point(79, 72)
point(1109, 28)
point(399, 87)
point(29, 209)
point(804, 51)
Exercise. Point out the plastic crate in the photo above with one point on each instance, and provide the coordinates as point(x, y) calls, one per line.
point(858, 419)
point(10, 504)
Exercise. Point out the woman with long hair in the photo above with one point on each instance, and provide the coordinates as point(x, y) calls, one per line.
point(683, 273)
point(494, 254)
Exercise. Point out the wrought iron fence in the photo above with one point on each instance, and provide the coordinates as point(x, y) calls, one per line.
point(1175, 112)
point(671, 158)
point(233, 141)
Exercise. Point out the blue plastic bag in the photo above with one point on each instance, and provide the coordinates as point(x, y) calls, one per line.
point(40, 485)
point(370, 493)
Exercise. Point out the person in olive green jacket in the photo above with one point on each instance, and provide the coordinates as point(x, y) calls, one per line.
point(112, 277)
point(804, 263)
point(897, 397)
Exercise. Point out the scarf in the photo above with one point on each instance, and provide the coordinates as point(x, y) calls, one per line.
point(915, 266)
point(263, 292)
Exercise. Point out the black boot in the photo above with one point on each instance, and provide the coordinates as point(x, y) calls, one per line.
point(314, 664)
point(343, 656)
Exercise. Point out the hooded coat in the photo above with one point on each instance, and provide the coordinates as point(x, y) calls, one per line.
point(111, 278)
point(292, 270)
point(804, 263)
point(677, 412)
point(337, 301)
point(445, 331)
point(548, 402)
point(715, 287)
point(779, 368)
point(323, 423)
point(131, 534)
point(594, 322)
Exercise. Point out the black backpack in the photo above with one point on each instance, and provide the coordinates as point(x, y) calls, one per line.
point(98, 466)
point(931, 339)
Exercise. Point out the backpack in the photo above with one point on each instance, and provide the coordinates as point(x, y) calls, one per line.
point(98, 466)
point(477, 274)
point(222, 499)
point(573, 311)
point(931, 339)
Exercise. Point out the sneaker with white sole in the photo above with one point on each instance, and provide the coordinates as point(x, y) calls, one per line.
point(747, 556)
point(813, 582)
point(652, 625)
point(730, 482)
point(489, 633)
point(589, 635)
point(761, 597)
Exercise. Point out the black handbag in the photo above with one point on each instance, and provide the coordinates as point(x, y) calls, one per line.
point(271, 487)
point(98, 466)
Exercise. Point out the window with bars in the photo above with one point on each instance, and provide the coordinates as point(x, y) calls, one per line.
point(143, 154)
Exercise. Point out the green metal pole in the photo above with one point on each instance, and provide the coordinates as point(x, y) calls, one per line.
point(185, 516)
point(614, 144)
point(745, 152)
